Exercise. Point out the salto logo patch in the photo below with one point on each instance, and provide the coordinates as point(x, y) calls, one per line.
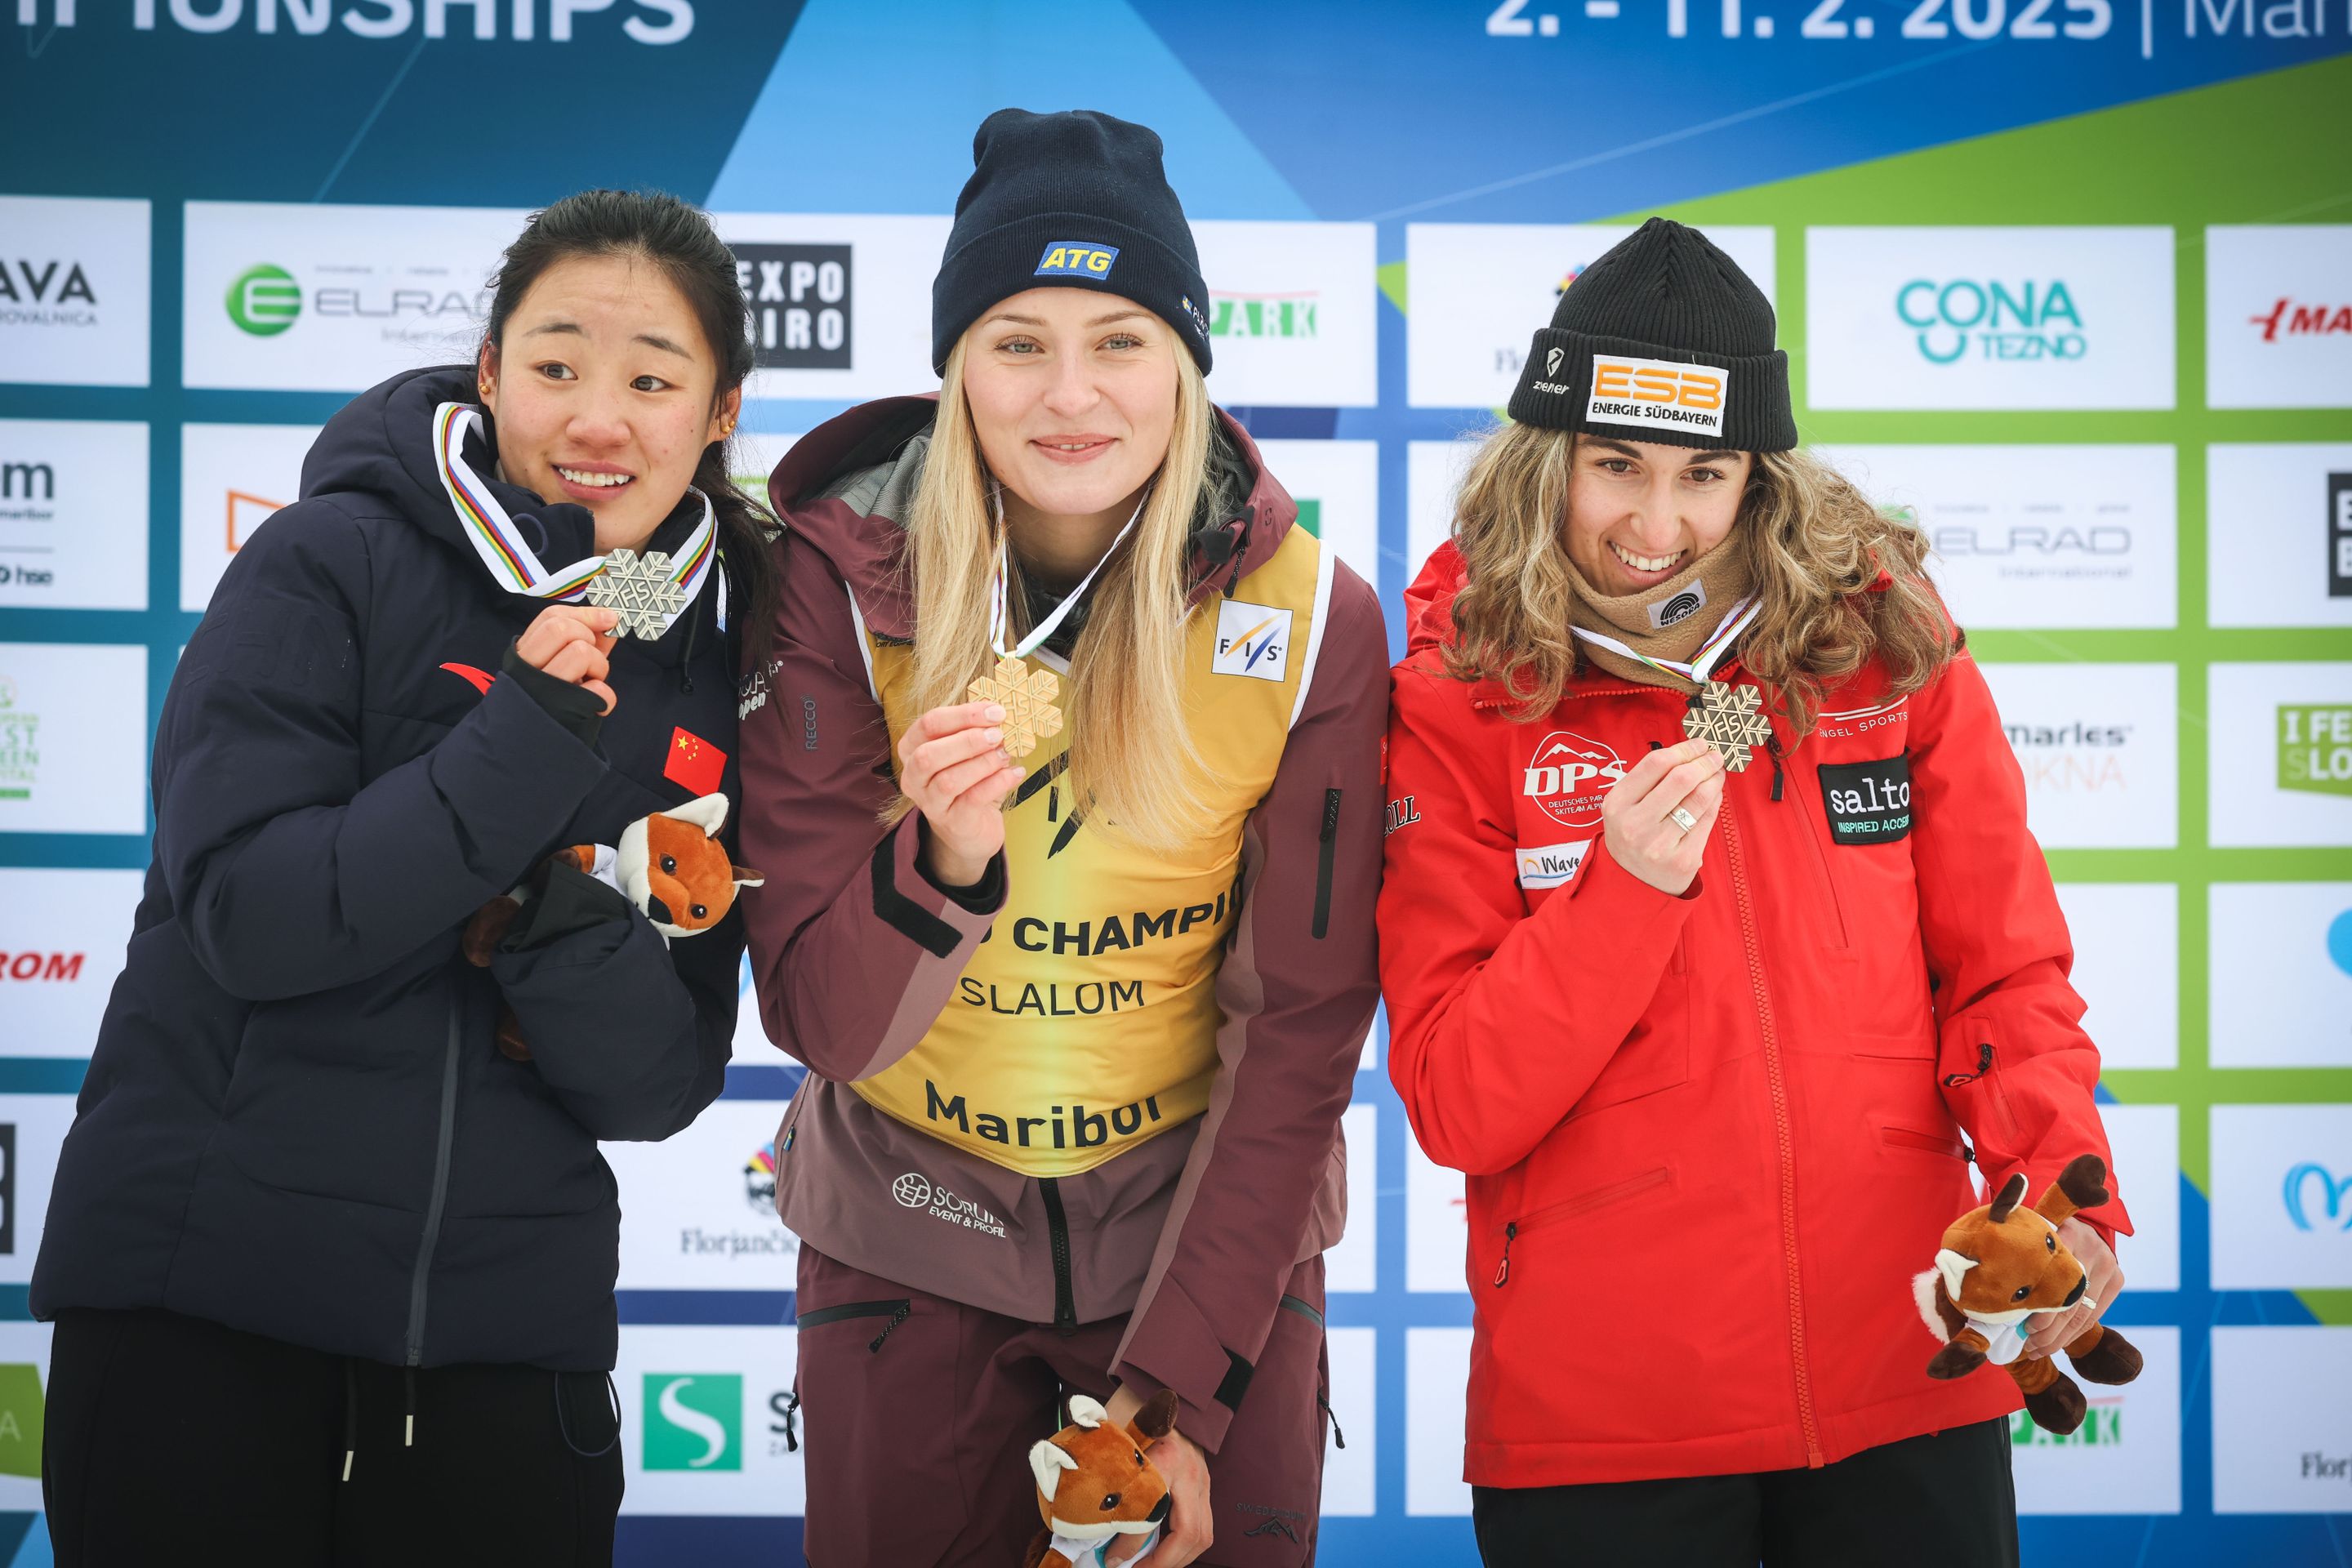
point(1076, 259)
point(694, 1421)
point(1868, 803)
point(1253, 640)
point(1658, 393)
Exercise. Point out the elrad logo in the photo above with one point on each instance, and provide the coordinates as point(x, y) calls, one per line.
point(265, 301)
point(2339, 536)
point(2313, 1189)
point(1252, 640)
point(2293, 319)
point(2066, 759)
point(694, 1421)
point(20, 745)
point(52, 292)
point(2005, 320)
point(1568, 775)
point(2314, 747)
point(1263, 315)
point(1078, 259)
point(800, 304)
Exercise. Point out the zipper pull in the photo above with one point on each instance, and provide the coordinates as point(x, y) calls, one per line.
point(1984, 1065)
point(1330, 816)
point(1773, 748)
point(1503, 1274)
point(792, 1438)
point(1331, 1415)
point(906, 1310)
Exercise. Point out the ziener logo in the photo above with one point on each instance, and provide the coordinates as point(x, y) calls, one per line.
point(265, 301)
point(694, 1421)
point(2005, 320)
point(2314, 747)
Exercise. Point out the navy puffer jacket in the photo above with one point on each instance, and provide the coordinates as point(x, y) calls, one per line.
point(296, 1121)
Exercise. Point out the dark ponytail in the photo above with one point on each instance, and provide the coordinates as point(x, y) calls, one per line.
point(679, 239)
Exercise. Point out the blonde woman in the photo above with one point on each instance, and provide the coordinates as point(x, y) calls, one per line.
point(1070, 738)
point(1711, 927)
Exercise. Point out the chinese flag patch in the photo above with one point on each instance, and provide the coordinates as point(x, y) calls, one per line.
point(695, 764)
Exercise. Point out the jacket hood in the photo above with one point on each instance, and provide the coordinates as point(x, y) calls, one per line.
point(845, 486)
point(381, 444)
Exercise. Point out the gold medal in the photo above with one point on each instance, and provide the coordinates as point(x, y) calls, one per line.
point(1027, 697)
point(1729, 719)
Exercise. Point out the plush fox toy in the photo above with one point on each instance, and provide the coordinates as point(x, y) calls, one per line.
point(1094, 1485)
point(2000, 1265)
point(670, 865)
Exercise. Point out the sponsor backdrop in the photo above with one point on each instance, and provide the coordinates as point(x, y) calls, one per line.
point(2069, 279)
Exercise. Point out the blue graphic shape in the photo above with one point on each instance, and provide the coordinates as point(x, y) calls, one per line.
point(2339, 940)
point(842, 90)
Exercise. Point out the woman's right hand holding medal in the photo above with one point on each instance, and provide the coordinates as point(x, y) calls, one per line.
point(1658, 817)
point(573, 643)
point(953, 766)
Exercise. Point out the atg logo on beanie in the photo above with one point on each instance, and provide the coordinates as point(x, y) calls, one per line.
point(1078, 259)
point(1659, 393)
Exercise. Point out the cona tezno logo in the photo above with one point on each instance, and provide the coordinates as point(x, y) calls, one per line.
point(800, 304)
point(1997, 319)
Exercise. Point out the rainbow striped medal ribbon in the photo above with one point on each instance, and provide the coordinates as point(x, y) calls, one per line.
point(1728, 718)
point(648, 591)
point(1027, 696)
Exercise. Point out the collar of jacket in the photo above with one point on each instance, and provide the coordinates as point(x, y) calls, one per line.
point(869, 549)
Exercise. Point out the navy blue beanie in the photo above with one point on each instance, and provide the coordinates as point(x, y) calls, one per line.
point(1075, 199)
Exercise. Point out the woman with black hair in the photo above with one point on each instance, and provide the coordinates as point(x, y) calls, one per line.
point(331, 1271)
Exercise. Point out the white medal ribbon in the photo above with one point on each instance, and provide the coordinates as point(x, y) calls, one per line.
point(1702, 664)
point(512, 562)
point(997, 619)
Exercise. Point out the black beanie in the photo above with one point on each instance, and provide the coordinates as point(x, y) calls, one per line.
point(1661, 339)
point(1077, 198)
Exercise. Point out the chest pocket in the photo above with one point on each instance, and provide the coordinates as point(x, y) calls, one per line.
point(1867, 802)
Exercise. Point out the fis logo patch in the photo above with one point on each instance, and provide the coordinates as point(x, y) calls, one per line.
point(1078, 259)
point(1868, 803)
point(1252, 640)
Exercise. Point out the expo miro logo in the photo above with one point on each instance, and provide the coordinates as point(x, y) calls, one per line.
point(2027, 321)
point(694, 1421)
point(265, 301)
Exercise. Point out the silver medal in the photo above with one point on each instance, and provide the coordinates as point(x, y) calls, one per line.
point(640, 590)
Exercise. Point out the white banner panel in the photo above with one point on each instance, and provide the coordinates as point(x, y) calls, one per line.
point(1988, 318)
point(2038, 536)
point(1432, 477)
point(1292, 313)
point(2278, 317)
point(1350, 1479)
point(2125, 1455)
point(1337, 485)
point(32, 1131)
point(841, 302)
point(702, 1421)
point(1436, 1225)
point(2146, 1142)
point(2282, 1197)
point(1436, 1407)
point(2280, 990)
point(62, 935)
point(321, 298)
point(74, 291)
point(73, 514)
point(24, 1383)
point(233, 479)
point(2278, 533)
point(2097, 745)
point(2124, 935)
point(698, 1211)
point(73, 738)
point(1354, 1263)
point(1480, 290)
point(2279, 754)
point(2281, 1420)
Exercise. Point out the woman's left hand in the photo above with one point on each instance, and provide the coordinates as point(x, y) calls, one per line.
point(2053, 1331)
point(1190, 1528)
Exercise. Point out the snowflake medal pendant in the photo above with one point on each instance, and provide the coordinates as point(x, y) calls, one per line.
point(1729, 719)
point(1027, 697)
point(639, 589)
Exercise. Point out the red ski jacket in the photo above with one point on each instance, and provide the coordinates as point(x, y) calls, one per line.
point(1711, 1139)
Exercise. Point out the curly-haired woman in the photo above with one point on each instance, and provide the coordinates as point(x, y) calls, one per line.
point(1711, 924)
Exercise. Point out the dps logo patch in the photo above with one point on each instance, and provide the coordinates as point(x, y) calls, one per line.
point(1868, 803)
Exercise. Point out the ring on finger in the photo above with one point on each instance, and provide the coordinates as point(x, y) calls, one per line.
point(1681, 819)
